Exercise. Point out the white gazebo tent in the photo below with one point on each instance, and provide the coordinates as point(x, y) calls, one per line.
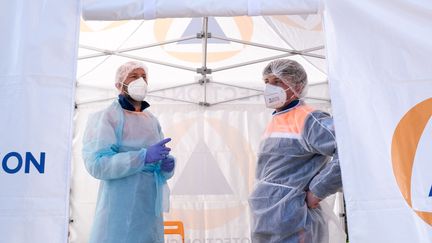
point(206, 89)
point(379, 76)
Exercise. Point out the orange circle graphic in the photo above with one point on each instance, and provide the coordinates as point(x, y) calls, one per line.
point(404, 146)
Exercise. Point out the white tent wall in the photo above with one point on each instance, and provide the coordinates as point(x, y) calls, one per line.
point(381, 84)
point(38, 68)
point(215, 146)
point(213, 174)
point(216, 153)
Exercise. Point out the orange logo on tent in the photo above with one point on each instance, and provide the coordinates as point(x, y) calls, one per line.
point(162, 27)
point(404, 146)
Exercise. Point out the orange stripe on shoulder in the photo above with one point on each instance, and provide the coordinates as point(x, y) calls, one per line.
point(290, 122)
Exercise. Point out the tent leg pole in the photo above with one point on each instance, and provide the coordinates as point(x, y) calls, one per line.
point(204, 56)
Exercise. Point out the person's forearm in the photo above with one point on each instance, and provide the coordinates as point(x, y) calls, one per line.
point(328, 181)
point(107, 166)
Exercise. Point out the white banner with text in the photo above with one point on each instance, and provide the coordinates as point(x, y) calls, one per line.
point(38, 67)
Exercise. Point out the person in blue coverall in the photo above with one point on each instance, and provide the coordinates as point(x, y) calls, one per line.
point(297, 165)
point(123, 147)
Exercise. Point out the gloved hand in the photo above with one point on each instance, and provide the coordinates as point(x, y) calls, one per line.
point(157, 151)
point(167, 164)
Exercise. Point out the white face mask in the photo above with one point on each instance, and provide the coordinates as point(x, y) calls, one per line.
point(137, 89)
point(274, 96)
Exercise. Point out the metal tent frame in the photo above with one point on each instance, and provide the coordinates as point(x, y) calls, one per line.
point(204, 70)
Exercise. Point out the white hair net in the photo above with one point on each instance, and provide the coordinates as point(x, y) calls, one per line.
point(125, 69)
point(290, 72)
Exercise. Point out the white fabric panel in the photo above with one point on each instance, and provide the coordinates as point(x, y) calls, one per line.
point(379, 70)
point(151, 9)
point(216, 151)
point(38, 67)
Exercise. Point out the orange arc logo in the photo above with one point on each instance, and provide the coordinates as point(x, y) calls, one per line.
point(404, 146)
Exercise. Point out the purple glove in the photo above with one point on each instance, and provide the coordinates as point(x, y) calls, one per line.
point(167, 164)
point(157, 151)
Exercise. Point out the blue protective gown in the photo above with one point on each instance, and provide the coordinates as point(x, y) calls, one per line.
point(298, 153)
point(130, 193)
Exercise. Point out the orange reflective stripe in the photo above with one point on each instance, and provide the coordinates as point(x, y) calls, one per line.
point(291, 122)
